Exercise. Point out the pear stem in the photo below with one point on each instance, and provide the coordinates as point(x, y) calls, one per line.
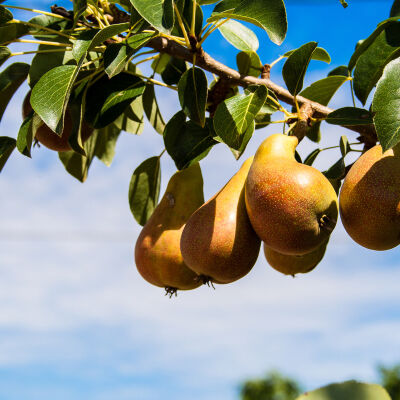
point(303, 123)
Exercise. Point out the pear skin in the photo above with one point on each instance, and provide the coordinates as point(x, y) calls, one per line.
point(157, 253)
point(218, 241)
point(292, 265)
point(293, 207)
point(369, 200)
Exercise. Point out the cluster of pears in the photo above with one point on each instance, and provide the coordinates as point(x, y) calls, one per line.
point(289, 206)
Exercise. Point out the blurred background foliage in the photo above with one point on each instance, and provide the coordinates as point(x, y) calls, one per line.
point(277, 386)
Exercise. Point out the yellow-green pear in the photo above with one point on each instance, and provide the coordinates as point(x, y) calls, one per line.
point(293, 207)
point(157, 252)
point(291, 265)
point(218, 241)
point(369, 201)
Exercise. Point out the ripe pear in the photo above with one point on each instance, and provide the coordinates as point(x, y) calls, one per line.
point(370, 199)
point(293, 207)
point(292, 265)
point(218, 241)
point(157, 253)
point(50, 139)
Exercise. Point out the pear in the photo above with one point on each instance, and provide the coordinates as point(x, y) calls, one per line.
point(218, 241)
point(45, 136)
point(293, 207)
point(370, 199)
point(157, 253)
point(291, 265)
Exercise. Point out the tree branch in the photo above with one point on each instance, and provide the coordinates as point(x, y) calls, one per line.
point(206, 62)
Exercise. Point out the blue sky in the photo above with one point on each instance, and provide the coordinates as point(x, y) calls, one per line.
point(77, 321)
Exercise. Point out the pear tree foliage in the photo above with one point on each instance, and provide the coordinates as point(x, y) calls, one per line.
point(86, 63)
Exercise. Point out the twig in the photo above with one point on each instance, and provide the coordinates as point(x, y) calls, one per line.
point(206, 62)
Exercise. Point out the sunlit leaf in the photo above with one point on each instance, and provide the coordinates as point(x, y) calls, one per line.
point(158, 13)
point(239, 36)
point(386, 105)
point(234, 116)
point(269, 15)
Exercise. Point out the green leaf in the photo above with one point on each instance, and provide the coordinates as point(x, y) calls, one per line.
point(107, 99)
point(152, 109)
point(132, 120)
point(371, 63)
point(44, 62)
point(5, 54)
point(344, 145)
point(337, 170)
point(246, 138)
point(10, 80)
point(309, 160)
point(239, 36)
point(173, 71)
point(27, 132)
point(192, 91)
point(186, 142)
point(144, 189)
point(319, 54)
point(79, 8)
point(350, 116)
point(363, 46)
point(106, 142)
point(270, 15)
point(7, 146)
point(57, 24)
point(160, 63)
point(386, 105)
point(347, 390)
point(76, 164)
point(249, 63)
point(77, 105)
point(295, 67)
point(139, 40)
point(395, 10)
point(5, 15)
point(116, 57)
point(12, 31)
point(158, 13)
point(341, 70)
point(185, 8)
point(50, 95)
point(234, 116)
point(343, 3)
point(88, 40)
point(262, 120)
point(323, 90)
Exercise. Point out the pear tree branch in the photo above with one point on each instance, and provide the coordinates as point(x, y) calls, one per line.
point(205, 61)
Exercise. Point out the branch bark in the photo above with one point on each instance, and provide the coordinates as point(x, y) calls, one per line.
point(206, 62)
